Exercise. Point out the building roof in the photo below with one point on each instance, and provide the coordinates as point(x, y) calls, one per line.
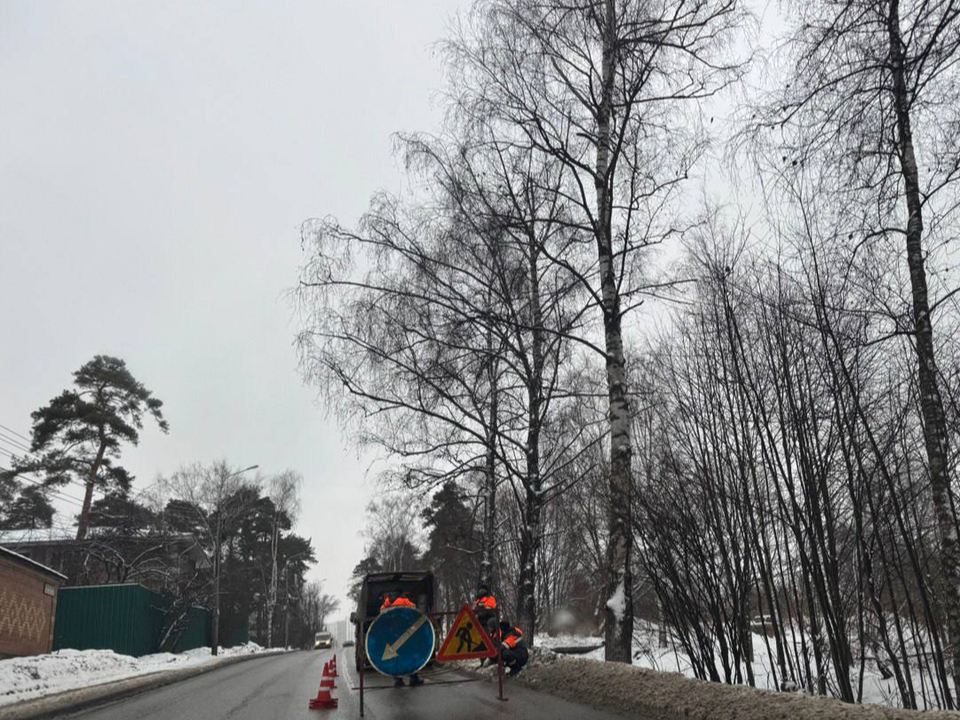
point(56, 535)
point(27, 538)
point(32, 564)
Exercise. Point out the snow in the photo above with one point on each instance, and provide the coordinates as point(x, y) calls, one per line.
point(618, 602)
point(567, 641)
point(647, 654)
point(26, 678)
point(634, 691)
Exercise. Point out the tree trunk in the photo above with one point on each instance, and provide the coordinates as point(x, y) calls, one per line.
point(618, 627)
point(84, 520)
point(530, 533)
point(490, 473)
point(529, 547)
point(931, 402)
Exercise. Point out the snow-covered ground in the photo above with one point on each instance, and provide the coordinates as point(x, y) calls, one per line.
point(647, 654)
point(32, 677)
point(567, 641)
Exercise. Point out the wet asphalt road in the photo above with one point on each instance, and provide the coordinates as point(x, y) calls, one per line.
point(280, 687)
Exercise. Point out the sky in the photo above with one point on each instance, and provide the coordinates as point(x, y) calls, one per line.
point(156, 162)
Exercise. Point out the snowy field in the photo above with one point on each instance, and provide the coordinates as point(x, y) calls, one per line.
point(32, 677)
point(648, 655)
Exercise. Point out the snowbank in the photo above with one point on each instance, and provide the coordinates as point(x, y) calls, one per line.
point(669, 696)
point(39, 675)
point(648, 655)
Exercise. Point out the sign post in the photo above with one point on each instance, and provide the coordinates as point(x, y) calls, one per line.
point(499, 659)
point(363, 658)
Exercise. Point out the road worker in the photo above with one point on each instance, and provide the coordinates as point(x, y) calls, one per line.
point(513, 649)
point(401, 600)
point(485, 608)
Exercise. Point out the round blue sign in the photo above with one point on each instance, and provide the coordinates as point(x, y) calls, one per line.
point(400, 641)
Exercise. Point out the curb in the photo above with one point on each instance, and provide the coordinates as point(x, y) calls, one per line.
point(84, 698)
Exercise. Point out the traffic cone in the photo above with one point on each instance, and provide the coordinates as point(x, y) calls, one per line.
point(324, 700)
point(333, 666)
point(326, 680)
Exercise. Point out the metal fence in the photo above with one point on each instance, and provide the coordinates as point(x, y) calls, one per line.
point(128, 619)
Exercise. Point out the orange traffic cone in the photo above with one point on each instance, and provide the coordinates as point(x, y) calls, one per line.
point(324, 700)
point(333, 666)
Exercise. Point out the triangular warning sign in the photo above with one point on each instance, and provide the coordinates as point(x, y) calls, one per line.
point(467, 639)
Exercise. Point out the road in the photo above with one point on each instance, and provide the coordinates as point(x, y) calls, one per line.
point(280, 686)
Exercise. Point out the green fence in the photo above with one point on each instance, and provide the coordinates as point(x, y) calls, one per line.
point(128, 619)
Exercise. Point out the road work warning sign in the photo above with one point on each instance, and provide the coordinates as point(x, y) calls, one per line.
point(466, 640)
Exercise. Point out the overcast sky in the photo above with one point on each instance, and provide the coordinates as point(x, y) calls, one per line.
point(156, 161)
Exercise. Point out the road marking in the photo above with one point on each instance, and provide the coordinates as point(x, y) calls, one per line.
point(390, 651)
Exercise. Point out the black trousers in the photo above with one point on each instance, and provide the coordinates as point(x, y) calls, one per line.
point(516, 657)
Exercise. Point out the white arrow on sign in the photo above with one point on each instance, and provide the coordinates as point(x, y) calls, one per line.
point(390, 651)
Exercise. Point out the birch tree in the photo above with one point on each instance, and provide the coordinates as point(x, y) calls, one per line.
point(598, 87)
point(870, 99)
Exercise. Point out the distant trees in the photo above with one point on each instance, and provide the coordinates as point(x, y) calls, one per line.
point(161, 535)
point(79, 435)
point(316, 606)
point(211, 500)
point(284, 494)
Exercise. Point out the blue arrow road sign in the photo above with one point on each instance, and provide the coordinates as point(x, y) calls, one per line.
point(400, 641)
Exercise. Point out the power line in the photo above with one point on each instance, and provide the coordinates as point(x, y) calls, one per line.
point(10, 450)
point(14, 432)
point(62, 496)
point(13, 441)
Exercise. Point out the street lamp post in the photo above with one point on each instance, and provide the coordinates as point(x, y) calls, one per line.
point(215, 623)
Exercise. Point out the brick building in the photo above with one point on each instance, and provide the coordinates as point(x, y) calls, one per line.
point(28, 603)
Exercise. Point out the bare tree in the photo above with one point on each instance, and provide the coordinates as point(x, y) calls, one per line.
point(597, 86)
point(870, 103)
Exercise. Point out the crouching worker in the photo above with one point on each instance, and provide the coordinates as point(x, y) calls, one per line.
point(513, 649)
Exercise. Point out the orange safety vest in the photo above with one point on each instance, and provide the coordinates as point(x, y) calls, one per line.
point(513, 637)
point(399, 602)
point(487, 601)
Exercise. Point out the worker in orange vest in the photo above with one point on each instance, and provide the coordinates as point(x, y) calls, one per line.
point(401, 600)
point(513, 650)
point(485, 608)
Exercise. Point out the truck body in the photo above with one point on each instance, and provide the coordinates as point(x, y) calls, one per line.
point(419, 585)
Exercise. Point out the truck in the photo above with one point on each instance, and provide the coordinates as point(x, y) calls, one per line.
point(419, 585)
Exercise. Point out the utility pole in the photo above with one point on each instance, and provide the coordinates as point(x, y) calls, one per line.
point(286, 621)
